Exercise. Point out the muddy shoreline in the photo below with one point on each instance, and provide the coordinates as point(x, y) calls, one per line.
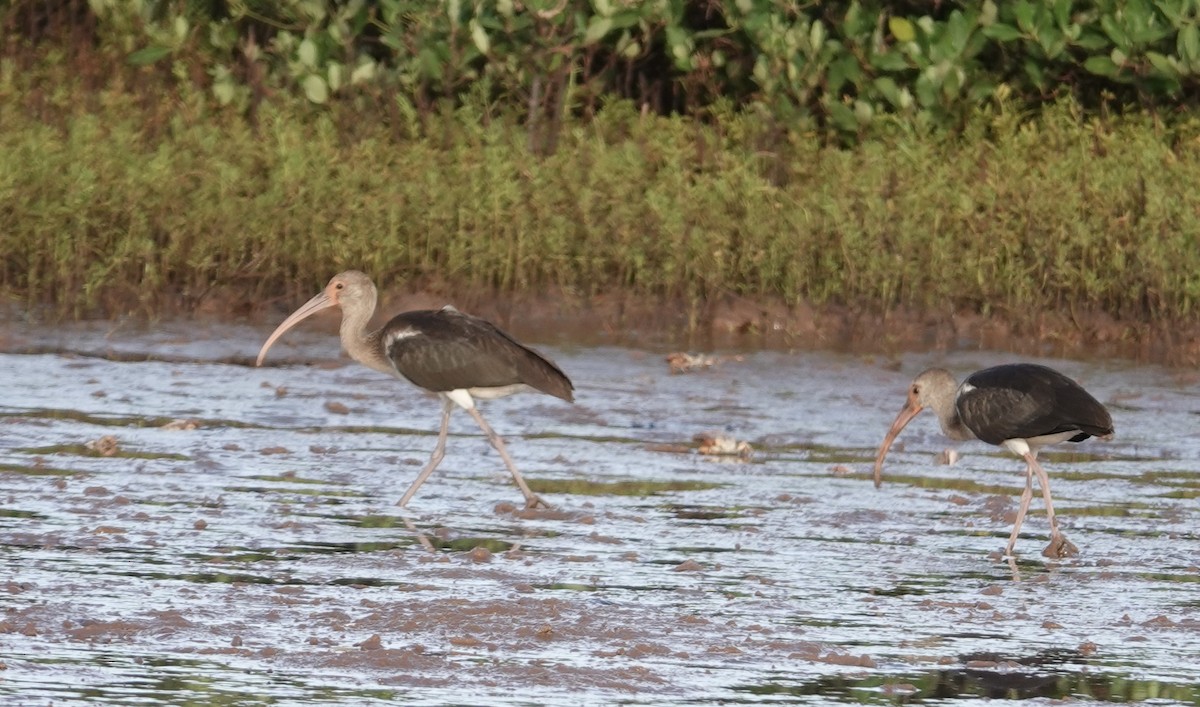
point(724, 323)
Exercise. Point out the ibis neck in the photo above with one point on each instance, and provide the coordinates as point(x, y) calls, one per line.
point(952, 424)
point(942, 398)
point(363, 346)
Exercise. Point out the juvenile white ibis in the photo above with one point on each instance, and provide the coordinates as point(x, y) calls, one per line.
point(1021, 407)
point(457, 356)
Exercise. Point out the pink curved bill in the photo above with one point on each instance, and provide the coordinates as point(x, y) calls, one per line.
point(907, 413)
point(309, 308)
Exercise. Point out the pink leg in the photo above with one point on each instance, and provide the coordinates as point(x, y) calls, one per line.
point(531, 499)
point(438, 452)
point(1026, 497)
point(1059, 545)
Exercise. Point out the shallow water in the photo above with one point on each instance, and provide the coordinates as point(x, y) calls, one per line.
point(242, 544)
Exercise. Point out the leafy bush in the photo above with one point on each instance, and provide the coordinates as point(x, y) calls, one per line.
point(836, 67)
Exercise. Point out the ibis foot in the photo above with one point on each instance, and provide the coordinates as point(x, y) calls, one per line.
point(1060, 547)
point(535, 501)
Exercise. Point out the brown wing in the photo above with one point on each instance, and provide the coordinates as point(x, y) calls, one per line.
point(444, 349)
point(1024, 400)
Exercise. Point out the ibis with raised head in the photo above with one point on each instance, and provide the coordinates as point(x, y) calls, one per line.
point(460, 357)
point(1021, 407)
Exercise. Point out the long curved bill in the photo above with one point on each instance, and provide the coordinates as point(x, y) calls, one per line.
point(311, 307)
point(907, 413)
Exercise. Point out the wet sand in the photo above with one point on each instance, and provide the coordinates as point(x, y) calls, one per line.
point(236, 540)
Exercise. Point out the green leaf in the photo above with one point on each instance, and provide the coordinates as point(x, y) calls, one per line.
point(337, 75)
point(1024, 11)
point(597, 27)
point(816, 35)
point(479, 37)
point(1092, 41)
point(1102, 66)
point(864, 112)
point(987, 16)
point(902, 29)
point(625, 20)
point(1115, 32)
point(926, 89)
point(1062, 13)
point(148, 55)
point(1187, 44)
point(958, 31)
point(365, 71)
point(843, 117)
point(316, 89)
point(856, 22)
point(1002, 32)
point(889, 61)
point(980, 90)
point(953, 82)
point(1052, 42)
point(1163, 65)
point(888, 88)
point(1035, 74)
point(307, 53)
point(680, 44)
point(842, 70)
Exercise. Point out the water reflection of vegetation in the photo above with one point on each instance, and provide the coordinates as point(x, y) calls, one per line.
point(244, 578)
point(950, 483)
point(296, 552)
point(116, 420)
point(962, 682)
point(468, 544)
point(330, 496)
point(82, 450)
point(587, 487)
point(16, 513)
point(38, 470)
point(695, 512)
point(153, 679)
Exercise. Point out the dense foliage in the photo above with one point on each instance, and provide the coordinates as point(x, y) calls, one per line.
point(997, 157)
point(833, 66)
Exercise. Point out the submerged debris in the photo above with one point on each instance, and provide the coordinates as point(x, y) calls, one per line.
point(106, 446)
point(181, 424)
point(947, 457)
point(683, 362)
point(722, 445)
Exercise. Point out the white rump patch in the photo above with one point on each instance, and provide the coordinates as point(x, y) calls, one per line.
point(461, 398)
point(1022, 446)
point(449, 308)
point(1017, 446)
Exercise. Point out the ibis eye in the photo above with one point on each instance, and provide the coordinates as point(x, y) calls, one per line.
point(339, 286)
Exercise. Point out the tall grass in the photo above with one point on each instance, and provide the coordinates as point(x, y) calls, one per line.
point(146, 206)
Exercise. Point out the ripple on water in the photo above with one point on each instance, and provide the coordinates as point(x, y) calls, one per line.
point(256, 556)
